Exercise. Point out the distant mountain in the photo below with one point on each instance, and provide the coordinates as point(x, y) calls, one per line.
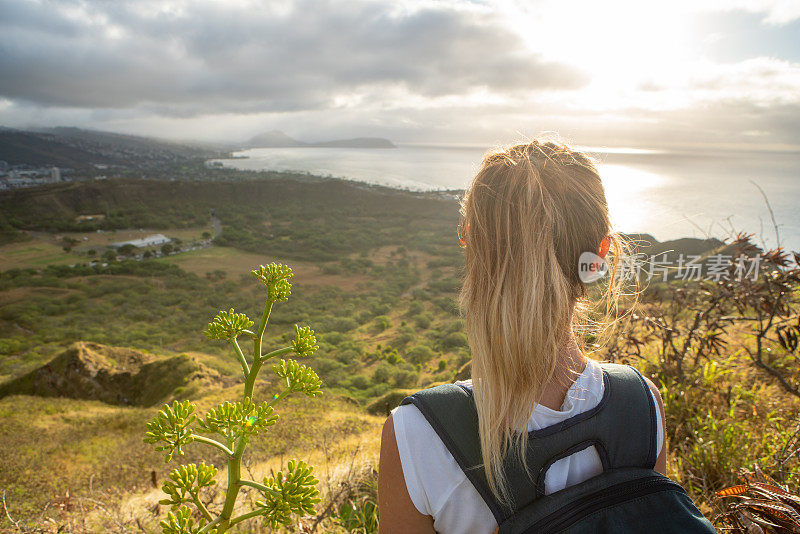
point(78, 149)
point(278, 139)
point(273, 139)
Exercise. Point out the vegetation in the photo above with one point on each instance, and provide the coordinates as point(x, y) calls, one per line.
point(376, 272)
point(282, 495)
point(304, 220)
point(724, 356)
point(759, 504)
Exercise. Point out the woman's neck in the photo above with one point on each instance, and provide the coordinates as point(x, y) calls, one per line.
point(571, 363)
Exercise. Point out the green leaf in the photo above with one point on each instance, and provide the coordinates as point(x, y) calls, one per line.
point(235, 419)
point(276, 277)
point(228, 325)
point(305, 342)
point(181, 522)
point(293, 492)
point(171, 427)
point(300, 378)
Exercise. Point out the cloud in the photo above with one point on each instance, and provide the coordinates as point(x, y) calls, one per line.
point(195, 57)
point(410, 70)
point(775, 12)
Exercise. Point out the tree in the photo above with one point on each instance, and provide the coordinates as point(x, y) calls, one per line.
point(127, 250)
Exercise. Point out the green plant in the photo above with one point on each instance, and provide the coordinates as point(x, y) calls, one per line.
point(382, 323)
point(284, 495)
point(358, 511)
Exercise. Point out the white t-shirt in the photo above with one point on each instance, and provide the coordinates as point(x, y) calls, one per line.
point(439, 488)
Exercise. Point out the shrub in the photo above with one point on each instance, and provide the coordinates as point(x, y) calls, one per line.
point(382, 373)
point(402, 339)
point(326, 365)
point(382, 323)
point(423, 320)
point(445, 285)
point(454, 340)
point(358, 382)
point(347, 356)
point(420, 354)
point(342, 324)
point(379, 308)
point(415, 308)
point(447, 304)
point(394, 358)
point(405, 378)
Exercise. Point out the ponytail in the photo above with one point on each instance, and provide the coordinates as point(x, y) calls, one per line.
point(529, 213)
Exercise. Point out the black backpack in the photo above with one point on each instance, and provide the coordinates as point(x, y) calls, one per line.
point(629, 496)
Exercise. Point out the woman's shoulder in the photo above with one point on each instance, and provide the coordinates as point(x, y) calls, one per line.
point(429, 469)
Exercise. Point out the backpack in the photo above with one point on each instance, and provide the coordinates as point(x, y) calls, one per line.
point(629, 496)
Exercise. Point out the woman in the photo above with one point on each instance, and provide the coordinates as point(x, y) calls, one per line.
point(527, 217)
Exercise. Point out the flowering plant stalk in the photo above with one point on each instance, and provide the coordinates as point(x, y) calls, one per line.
point(283, 496)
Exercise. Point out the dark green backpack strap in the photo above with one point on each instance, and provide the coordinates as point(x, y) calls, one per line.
point(450, 410)
point(626, 410)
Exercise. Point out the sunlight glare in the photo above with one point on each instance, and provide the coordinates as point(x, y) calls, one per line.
point(625, 188)
point(623, 46)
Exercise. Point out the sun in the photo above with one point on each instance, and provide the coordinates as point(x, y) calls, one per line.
point(623, 47)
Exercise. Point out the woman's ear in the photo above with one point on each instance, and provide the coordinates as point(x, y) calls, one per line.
point(605, 244)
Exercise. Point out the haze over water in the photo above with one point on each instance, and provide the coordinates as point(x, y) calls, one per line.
point(668, 194)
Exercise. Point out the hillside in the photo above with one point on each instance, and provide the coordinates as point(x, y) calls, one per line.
point(317, 219)
point(115, 375)
point(85, 149)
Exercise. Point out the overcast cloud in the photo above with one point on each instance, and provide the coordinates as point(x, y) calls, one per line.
point(213, 56)
point(412, 71)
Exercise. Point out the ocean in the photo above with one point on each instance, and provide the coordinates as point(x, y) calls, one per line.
point(666, 193)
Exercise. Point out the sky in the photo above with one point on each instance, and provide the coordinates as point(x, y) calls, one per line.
point(610, 73)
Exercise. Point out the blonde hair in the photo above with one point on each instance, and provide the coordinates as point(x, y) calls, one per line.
point(530, 212)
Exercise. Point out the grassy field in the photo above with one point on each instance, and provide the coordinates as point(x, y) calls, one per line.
point(34, 254)
point(84, 463)
point(236, 263)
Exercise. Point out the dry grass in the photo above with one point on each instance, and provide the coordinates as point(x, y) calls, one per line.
point(236, 263)
point(84, 467)
point(35, 254)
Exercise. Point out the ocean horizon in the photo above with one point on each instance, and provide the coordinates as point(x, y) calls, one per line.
point(668, 193)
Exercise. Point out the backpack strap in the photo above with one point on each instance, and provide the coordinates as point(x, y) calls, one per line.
point(626, 410)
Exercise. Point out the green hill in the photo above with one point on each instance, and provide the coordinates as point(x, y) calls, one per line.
point(83, 149)
point(115, 376)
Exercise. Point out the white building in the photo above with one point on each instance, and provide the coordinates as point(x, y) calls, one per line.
point(149, 241)
point(55, 174)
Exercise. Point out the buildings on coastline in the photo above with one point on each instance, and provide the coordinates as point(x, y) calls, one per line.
point(16, 176)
